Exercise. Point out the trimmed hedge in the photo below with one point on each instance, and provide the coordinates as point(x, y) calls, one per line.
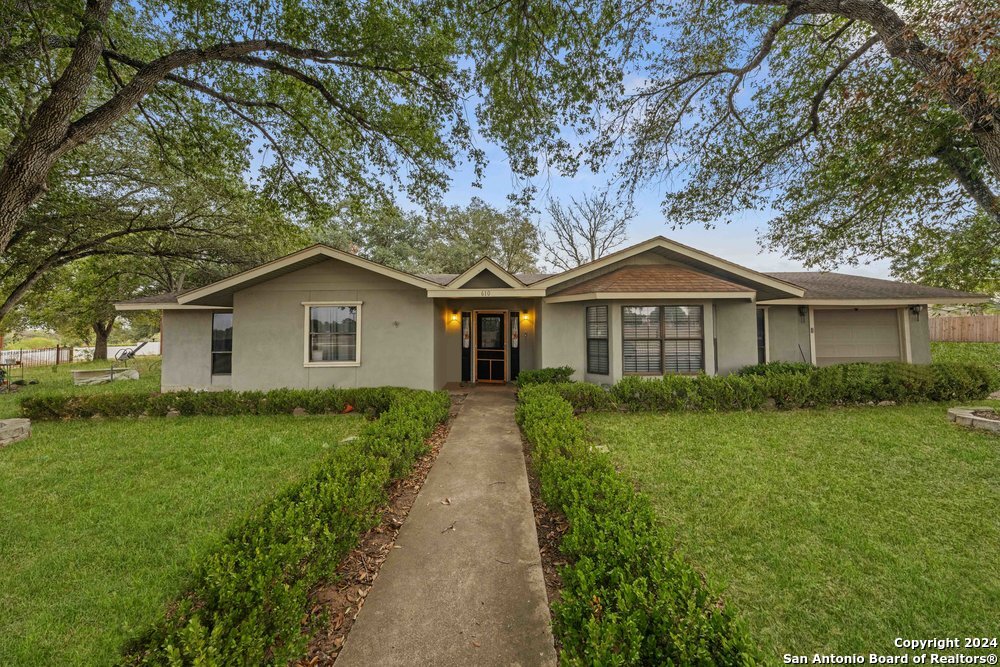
point(628, 598)
point(778, 368)
point(843, 384)
point(245, 602)
point(544, 376)
point(49, 406)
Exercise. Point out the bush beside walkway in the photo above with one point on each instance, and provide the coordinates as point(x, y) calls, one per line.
point(627, 597)
point(246, 601)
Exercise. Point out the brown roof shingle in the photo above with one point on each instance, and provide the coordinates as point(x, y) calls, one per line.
point(654, 278)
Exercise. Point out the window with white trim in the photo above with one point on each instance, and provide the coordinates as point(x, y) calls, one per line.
point(597, 340)
point(663, 339)
point(332, 334)
point(222, 343)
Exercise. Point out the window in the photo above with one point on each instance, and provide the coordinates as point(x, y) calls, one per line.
point(663, 339)
point(332, 337)
point(597, 340)
point(222, 343)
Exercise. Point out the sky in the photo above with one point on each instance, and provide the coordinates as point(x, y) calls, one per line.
point(737, 242)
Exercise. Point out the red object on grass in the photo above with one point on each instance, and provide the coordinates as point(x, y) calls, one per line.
point(348, 408)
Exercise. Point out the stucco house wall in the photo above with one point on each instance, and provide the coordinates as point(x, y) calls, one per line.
point(186, 341)
point(396, 324)
point(787, 334)
point(564, 342)
point(735, 335)
point(920, 337)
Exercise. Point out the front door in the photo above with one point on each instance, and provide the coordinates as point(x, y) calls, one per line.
point(491, 349)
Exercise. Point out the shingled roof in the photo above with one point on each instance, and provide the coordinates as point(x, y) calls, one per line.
point(654, 278)
point(829, 285)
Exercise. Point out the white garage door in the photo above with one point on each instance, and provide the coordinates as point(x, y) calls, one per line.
point(856, 335)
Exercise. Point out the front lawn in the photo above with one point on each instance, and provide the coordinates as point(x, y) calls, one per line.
point(101, 519)
point(830, 531)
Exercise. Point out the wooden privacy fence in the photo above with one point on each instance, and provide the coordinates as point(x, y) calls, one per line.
point(966, 329)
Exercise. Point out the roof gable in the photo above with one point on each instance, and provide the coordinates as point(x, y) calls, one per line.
point(485, 265)
point(696, 259)
point(634, 279)
point(209, 294)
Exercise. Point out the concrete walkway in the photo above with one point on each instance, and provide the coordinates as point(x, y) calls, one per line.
point(464, 587)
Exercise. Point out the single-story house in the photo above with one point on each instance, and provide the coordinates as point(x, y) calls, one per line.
point(321, 317)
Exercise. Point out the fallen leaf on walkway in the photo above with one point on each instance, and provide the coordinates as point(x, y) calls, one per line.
point(476, 644)
point(451, 527)
point(446, 501)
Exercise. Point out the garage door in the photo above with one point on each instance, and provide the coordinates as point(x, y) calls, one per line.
point(856, 335)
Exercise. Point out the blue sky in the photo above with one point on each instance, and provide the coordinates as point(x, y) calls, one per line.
point(737, 242)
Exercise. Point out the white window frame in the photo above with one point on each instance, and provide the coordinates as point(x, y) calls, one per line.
point(306, 306)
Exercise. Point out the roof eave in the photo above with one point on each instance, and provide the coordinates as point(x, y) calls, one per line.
point(888, 301)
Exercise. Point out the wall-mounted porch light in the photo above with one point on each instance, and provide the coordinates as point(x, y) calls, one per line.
point(803, 313)
point(915, 312)
point(454, 317)
point(525, 317)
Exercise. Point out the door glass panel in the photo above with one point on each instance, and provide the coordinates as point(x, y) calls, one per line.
point(491, 332)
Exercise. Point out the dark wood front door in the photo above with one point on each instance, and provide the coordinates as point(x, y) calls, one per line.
point(491, 348)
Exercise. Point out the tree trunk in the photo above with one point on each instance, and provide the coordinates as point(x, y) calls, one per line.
point(24, 173)
point(101, 332)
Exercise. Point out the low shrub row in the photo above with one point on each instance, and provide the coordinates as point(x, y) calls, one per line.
point(778, 368)
point(55, 405)
point(245, 602)
point(544, 375)
point(628, 598)
point(844, 384)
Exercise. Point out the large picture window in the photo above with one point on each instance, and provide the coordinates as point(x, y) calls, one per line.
point(222, 343)
point(597, 340)
point(663, 339)
point(333, 334)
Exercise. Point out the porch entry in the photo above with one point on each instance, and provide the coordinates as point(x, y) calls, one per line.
point(490, 346)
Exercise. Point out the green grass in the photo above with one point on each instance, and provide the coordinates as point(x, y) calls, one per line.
point(60, 378)
point(970, 353)
point(100, 520)
point(831, 531)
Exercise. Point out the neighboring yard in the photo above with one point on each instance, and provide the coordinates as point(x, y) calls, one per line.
point(100, 520)
point(969, 353)
point(830, 531)
point(59, 378)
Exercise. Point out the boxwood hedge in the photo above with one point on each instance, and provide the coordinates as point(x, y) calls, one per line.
point(843, 384)
point(59, 405)
point(244, 603)
point(628, 598)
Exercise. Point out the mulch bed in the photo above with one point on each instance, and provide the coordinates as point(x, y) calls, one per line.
point(336, 604)
point(550, 527)
point(987, 414)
